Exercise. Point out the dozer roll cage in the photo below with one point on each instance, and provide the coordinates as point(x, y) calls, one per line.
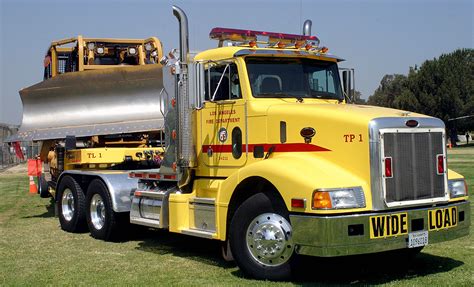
point(80, 54)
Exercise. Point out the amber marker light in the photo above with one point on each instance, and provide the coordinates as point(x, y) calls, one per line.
point(321, 200)
point(281, 45)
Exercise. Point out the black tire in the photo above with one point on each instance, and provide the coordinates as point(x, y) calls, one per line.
point(103, 222)
point(249, 222)
point(71, 205)
point(43, 187)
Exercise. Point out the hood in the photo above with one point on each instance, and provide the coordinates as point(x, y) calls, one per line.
point(341, 131)
point(361, 114)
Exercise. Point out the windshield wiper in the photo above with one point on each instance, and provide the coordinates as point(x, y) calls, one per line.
point(280, 95)
point(325, 96)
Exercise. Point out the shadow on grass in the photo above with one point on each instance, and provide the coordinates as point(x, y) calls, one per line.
point(370, 269)
point(49, 212)
point(162, 242)
point(376, 268)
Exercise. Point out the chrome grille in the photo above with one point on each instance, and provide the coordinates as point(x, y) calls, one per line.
point(414, 166)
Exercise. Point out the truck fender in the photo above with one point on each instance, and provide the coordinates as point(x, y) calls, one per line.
point(118, 183)
point(292, 176)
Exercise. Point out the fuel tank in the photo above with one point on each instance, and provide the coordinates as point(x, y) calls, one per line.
point(95, 102)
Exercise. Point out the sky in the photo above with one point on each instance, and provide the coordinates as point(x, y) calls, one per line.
point(376, 37)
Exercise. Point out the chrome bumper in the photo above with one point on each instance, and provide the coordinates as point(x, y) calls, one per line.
point(340, 235)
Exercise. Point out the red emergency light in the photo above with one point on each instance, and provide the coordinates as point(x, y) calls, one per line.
point(440, 160)
point(252, 38)
point(388, 167)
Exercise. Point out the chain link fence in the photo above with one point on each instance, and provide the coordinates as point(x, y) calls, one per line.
point(7, 158)
point(7, 152)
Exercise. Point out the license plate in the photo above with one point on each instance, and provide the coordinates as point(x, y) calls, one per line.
point(417, 239)
point(442, 218)
point(388, 225)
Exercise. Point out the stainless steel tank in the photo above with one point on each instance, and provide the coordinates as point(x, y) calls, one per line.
point(94, 102)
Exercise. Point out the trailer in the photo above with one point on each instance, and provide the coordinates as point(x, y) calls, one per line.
point(254, 144)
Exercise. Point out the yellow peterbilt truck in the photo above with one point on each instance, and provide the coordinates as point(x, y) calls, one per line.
point(262, 151)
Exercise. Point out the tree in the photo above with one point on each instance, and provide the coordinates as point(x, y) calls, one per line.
point(442, 88)
point(358, 98)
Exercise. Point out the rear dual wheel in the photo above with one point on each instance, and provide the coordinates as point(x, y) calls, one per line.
point(71, 205)
point(101, 218)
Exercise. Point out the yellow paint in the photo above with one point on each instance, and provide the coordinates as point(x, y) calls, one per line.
point(179, 212)
point(104, 157)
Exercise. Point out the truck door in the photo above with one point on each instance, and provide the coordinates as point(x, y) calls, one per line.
point(223, 118)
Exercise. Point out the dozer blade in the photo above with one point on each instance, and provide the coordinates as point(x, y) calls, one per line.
point(95, 102)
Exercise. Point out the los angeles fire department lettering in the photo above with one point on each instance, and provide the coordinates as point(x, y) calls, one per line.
point(223, 112)
point(388, 225)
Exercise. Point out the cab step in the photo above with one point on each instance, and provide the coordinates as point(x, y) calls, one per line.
point(199, 233)
point(145, 222)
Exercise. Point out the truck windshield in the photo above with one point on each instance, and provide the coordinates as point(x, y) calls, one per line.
point(293, 78)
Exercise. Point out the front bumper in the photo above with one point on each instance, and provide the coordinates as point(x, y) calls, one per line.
point(340, 235)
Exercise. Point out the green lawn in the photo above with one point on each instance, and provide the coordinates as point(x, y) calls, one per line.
point(35, 251)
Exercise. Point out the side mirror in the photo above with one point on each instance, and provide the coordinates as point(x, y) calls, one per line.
point(197, 85)
point(348, 84)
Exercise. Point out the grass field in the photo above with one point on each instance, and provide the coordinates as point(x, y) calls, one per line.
point(35, 251)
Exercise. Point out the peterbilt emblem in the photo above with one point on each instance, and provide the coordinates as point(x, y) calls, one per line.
point(411, 123)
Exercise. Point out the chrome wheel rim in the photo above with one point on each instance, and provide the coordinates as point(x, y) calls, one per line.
point(67, 204)
point(97, 209)
point(269, 239)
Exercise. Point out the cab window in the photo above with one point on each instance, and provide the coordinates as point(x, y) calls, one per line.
point(222, 83)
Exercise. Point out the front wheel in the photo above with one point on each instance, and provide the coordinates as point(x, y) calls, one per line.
point(261, 238)
point(101, 218)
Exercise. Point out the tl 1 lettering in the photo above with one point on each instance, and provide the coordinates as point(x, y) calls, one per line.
point(93, 155)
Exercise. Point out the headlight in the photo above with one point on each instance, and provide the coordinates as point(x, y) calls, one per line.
point(100, 50)
point(91, 46)
point(457, 188)
point(132, 51)
point(336, 198)
point(148, 46)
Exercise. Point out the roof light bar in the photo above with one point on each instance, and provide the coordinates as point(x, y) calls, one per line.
point(280, 39)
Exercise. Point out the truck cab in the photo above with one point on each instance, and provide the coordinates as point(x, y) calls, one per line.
point(280, 163)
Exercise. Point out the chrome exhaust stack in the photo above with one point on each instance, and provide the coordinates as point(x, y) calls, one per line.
point(183, 33)
point(185, 151)
point(307, 27)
